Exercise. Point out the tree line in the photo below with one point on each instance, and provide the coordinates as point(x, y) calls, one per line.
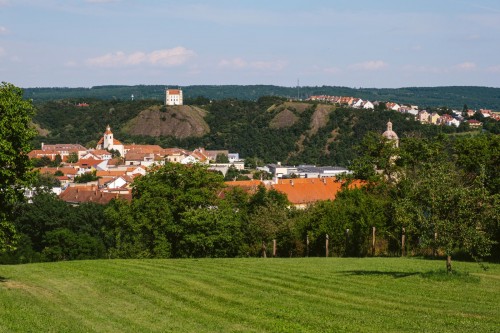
point(452, 96)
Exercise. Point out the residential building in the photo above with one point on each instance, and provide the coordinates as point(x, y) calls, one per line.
point(173, 97)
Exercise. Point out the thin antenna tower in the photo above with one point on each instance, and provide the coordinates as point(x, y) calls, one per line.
point(298, 89)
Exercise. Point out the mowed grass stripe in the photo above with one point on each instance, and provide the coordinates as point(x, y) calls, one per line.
point(210, 295)
point(193, 306)
point(384, 305)
point(247, 295)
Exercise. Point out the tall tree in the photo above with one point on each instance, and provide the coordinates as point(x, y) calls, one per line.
point(172, 206)
point(446, 212)
point(15, 138)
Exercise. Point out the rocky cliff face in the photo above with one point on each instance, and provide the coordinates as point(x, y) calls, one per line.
point(179, 121)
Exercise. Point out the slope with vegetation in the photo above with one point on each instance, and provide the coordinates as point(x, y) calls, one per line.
point(180, 121)
point(271, 129)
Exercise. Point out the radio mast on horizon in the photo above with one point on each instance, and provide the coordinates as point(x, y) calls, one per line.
point(298, 89)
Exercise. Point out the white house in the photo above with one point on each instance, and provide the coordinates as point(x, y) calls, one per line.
point(453, 122)
point(173, 97)
point(357, 103)
point(368, 105)
point(119, 182)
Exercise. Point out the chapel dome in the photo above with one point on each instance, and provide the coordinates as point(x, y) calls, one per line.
point(389, 134)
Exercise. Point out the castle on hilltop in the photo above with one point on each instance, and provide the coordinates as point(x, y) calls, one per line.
point(173, 97)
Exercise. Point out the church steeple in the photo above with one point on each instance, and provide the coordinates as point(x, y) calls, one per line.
point(108, 138)
point(389, 125)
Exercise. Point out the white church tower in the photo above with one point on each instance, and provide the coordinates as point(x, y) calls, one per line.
point(108, 138)
point(108, 142)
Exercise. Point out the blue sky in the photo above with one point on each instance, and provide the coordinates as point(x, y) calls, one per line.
point(355, 43)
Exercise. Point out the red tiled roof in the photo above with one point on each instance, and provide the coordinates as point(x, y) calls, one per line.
point(64, 170)
point(309, 190)
point(82, 194)
point(88, 162)
point(110, 173)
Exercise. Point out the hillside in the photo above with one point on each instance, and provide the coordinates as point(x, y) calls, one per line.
point(248, 295)
point(452, 96)
point(271, 128)
point(180, 121)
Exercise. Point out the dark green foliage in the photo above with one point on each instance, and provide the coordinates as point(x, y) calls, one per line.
point(45, 180)
point(239, 126)
point(221, 158)
point(52, 230)
point(175, 213)
point(15, 138)
point(72, 157)
point(453, 96)
point(356, 210)
point(445, 207)
point(86, 177)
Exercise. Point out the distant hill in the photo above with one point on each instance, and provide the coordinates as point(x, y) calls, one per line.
point(181, 121)
point(272, 128)
point(453, 96)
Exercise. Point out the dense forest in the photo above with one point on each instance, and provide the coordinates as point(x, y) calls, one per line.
point(453, 96)
point(271, 128)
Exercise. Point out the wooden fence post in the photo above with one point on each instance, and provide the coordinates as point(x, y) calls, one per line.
point(274, 247)
point(403, 245)
point(347, 241)
point(434, 248)
point(327, 239)
point(307, 245)
point(373, 240)
point(264, 254)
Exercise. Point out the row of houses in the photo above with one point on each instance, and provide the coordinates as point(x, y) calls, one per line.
point(423, 116)
point(115, 175)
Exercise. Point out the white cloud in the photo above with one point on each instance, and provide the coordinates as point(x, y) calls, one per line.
point(424, 69)
point(371, 65)
point(167, 57)
point(331, 70)
point(269, 65)
point(466, 66)
point(239, 63)
point(494, 69)
point(70, 63)
point(235, 63)
point(3, 30)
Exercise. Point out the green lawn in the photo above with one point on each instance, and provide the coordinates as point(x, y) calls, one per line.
point(248, 295)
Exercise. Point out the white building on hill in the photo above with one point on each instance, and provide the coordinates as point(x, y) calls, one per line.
point(173, 97)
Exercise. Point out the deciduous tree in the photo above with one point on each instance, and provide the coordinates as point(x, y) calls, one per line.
point(15, 138)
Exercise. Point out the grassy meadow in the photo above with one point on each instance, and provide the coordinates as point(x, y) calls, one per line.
point(249, 295)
